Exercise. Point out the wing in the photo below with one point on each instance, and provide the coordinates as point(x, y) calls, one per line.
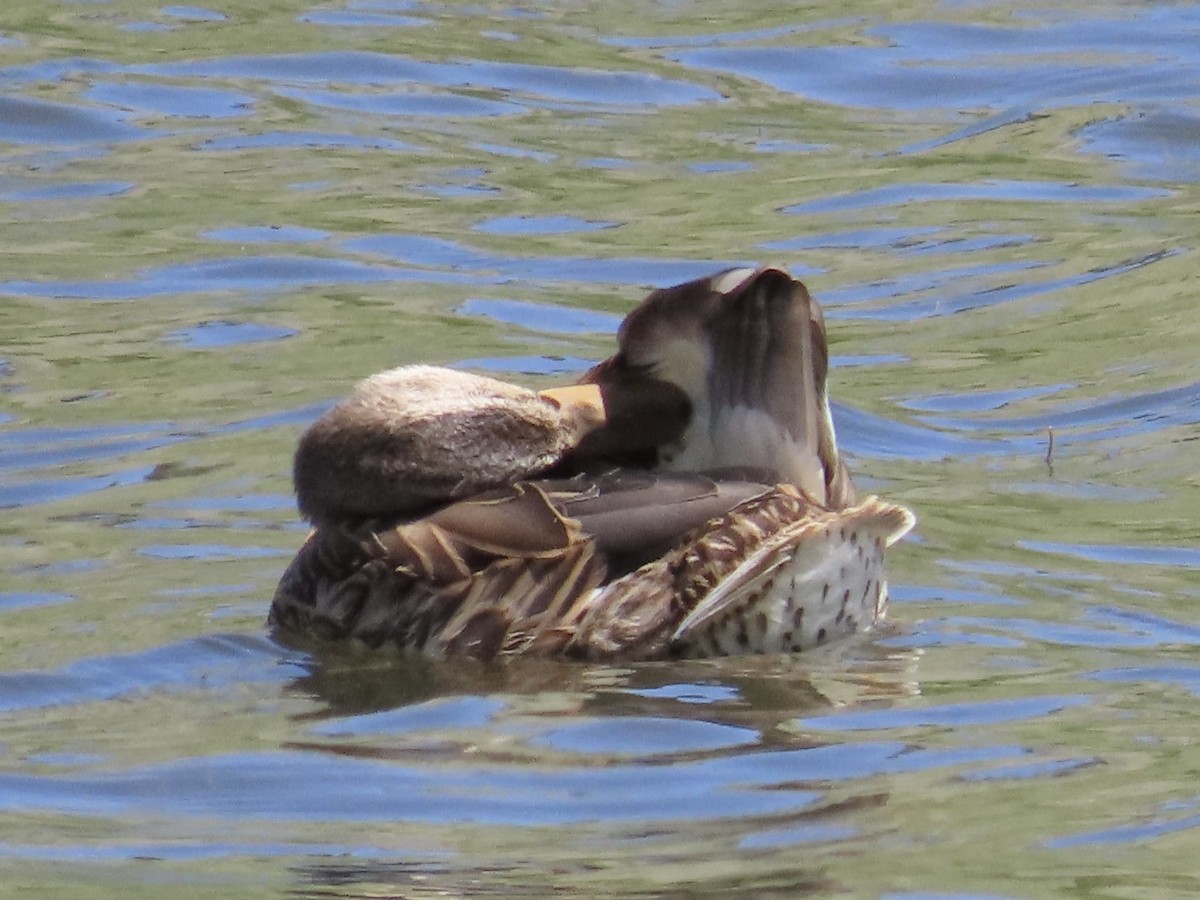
point(635, 516)
point(767, 384)
point(507, 571)
point(748, 350)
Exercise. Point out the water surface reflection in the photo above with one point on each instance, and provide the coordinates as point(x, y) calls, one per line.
point(217, 220)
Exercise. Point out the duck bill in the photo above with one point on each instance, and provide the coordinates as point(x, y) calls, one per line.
point(584, 401)
point(627, 415)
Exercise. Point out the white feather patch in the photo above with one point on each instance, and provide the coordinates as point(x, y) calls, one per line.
point(728, 281)
point(744, 436)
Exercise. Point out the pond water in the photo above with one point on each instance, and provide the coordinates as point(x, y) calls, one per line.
point(217, 217)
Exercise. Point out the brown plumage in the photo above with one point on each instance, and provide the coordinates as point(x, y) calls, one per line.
point(693, 503)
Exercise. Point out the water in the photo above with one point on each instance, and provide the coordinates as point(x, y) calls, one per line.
point(218, 217)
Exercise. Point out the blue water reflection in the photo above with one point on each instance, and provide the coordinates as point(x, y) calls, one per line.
point(539, 85)
point(41, 122)
point(923, 65)
point(211, 212)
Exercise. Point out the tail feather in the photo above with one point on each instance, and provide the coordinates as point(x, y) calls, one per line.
point(890, 521)
point(814, 579)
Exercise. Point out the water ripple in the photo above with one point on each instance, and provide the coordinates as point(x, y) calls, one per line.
point(1185, 557)
point(541, 316)
point(550, 86)
point(1161, 826)
point(951, 715)
point(422, 259)
point(944, 66)
point(171, 100)
point(212, 662)
point(505, 161)
point(302, 786)
point(1017, 191)
point(358, 18)
point(42, 122)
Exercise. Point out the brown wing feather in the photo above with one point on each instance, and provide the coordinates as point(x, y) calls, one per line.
point(506, 572)
point(641, 513)
point(637, 615)
point(508, 605)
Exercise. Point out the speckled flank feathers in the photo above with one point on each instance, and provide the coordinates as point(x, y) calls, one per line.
point(808, 583)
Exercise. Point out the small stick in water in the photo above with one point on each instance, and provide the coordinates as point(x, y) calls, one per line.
point(1050, 446)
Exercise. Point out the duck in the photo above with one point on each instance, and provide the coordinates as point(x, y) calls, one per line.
point(685, 498)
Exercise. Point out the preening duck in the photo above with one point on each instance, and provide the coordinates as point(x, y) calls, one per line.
point(685, 498)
